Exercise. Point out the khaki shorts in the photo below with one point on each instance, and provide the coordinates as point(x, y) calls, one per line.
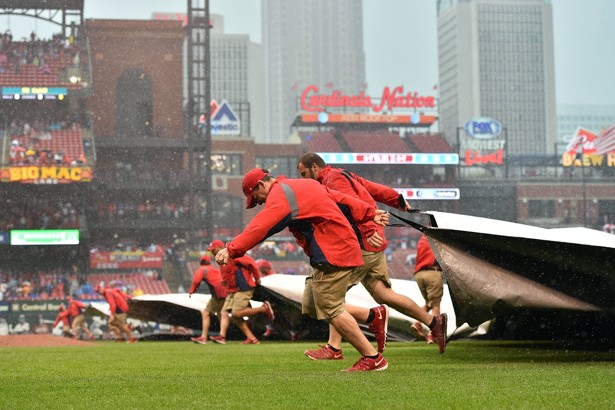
point(431, 286)
point(119, 320)
point(78, 321)
point(215, 305)
point(374, 270)
point(237, 300)
point(325, 290)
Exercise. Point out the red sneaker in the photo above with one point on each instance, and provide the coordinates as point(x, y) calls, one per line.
point(430, 339)
point(219, 339)
point(269, 311)
point(439, 331)
point(380, 325)
point(417, 331)
point(268, 332)
point(366, 364)
point(324, 353)
point(91, 337)
point(200, 340)
point(131, 340)
point(254, 341)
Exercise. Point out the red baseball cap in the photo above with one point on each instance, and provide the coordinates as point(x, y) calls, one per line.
point(250, 180)
point(216, 244)
point(206, 259)
point(262, 263)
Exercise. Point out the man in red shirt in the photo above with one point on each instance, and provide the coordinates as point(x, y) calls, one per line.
point(428, 276)
point(265, 268)
point(213, 278)
point(374, 273)
point(240, 276)
point(118, 305)
point(76, 311)
point(314, 217)
point(64, 318)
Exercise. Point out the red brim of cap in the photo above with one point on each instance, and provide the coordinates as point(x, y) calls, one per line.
point(250, 202)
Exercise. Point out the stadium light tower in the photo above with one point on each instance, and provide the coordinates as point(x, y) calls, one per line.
point(198, 104)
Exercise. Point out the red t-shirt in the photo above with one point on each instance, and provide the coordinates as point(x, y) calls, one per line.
point(424, 255)
point(212, 277)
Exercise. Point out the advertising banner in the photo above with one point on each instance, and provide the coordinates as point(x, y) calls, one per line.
point(126, 260)
point(51, 175)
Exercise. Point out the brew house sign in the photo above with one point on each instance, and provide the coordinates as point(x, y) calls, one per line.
point(314, 101)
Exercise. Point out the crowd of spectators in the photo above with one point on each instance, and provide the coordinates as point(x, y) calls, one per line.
point(137, 210)
point(42, 285)
point(36, 52)
point(37, 213)
point(272, 250)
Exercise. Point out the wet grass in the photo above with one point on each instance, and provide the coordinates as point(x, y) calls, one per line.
point(276, 375)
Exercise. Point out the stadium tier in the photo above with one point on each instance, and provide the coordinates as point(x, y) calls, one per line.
point(50, 71)
point(320, 142)
point(135, 280)
point(430, 143)
point(376, 141)
point(68, 141)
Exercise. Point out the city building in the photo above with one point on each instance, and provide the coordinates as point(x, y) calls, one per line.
point(496, 61)
point(309, 43)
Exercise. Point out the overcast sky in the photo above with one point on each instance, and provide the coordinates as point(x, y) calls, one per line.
point(400, 38)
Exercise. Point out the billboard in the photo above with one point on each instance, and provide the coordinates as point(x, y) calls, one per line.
point(332, 158)
point(45, 237)
point(49, 175)
point(483, 147)
point(127, 260)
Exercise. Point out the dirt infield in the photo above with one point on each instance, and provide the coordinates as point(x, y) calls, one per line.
point(39, 341)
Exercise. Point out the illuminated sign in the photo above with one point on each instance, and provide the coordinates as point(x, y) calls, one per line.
point(224, 121)
point(34, 93)
point(483, 147)
point(408, 120)
point(45, 175)
point(570, 160)
point(313, 102)
point(389, 158)
point(183, 17)
point(434, 194)
point(483, 128)
point(45, 237)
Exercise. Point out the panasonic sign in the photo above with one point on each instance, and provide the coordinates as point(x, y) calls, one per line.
point(483, 128)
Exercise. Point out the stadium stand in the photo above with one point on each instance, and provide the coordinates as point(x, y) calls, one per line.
point(69, 141)
point(320, 142)
point(377, 141)
point(132, 281)
point(37, 64)
point(429, 143)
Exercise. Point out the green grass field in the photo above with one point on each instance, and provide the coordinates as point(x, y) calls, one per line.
point(276, 375)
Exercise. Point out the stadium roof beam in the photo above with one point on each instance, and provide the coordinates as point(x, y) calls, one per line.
point(53, 11)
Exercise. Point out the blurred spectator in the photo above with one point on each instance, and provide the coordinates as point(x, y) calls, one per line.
point(41, 326)
point(22, 327)
point(4, 327)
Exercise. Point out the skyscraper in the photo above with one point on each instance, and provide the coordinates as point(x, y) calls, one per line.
point(496, 60)
point(316, 42)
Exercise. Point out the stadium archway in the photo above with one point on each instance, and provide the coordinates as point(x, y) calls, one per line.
point(134, 104)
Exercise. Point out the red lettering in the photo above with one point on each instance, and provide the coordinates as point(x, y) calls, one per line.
point(492, 158)
point(311, 101)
